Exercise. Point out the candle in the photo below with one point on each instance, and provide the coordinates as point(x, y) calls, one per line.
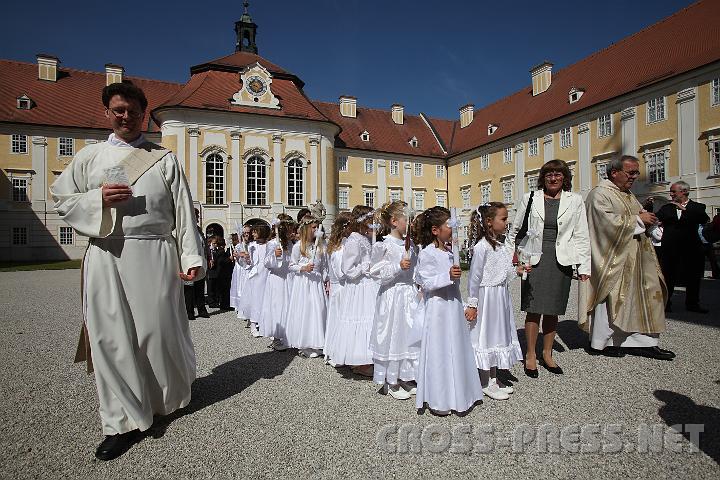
point(407, 233)
point(455, 240)
point(318, 235)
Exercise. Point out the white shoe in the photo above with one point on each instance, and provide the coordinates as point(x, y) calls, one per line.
point(396, 391)
point(409, 387)
point(507, 389)
point(255, 331)
point(309, 353)
point(494, 392)
point(440, 413)
point(278, 346)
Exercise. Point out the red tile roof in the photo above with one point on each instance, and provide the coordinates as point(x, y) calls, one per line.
point(687, 40)
point(212, 89)
point(73, 101)
point(385, 135)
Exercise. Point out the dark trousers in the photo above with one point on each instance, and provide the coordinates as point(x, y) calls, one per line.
point(195, 297)
point(684, 270)
point(222, 291)
point(212, 299)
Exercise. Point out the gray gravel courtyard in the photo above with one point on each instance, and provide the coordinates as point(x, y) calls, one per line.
point(260, 413)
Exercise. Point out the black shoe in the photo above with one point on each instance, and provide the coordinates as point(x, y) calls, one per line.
point(202, 312)
point(531, 373)
point(115, 445)
point(606, 352)
point(696, 309)
point(556, 369)
point(655, 353)
point(191, 316)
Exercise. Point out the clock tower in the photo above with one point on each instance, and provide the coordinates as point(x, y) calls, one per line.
point(245, 30)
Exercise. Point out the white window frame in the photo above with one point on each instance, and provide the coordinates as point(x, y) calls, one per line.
point(715, 92)
point(485, 161)
point(418, 200)
point(714, 145)
point(532, 182)
point(342, 162)
point(658, 108)
point(365, 136)
point(25, 189)
point(413, 142)
point(369, 193)
point(533, 147)
point(19, 144)
point(508, 187)
point(395, 195)
point(19, 233)
point(418, 169)
point(295, 187)
point(369, 166)
point(485, 192)
point(394, 168)
point(465, 196)
point(65, 233)
point(507, 155)
point(216, 194)
point(439, 171)
point(343, 198)
point(441, 199)
point(651, 165)
point(259, 191)
point(66, 147)
point(566, 137)
point(465, 167)
point(601, 168)
point(604, 125)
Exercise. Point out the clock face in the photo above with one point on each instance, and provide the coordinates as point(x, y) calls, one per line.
point(256, 86)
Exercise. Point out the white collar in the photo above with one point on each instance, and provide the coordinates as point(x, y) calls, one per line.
point(117, 142)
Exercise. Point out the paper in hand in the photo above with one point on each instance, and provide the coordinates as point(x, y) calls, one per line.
point(116, 175)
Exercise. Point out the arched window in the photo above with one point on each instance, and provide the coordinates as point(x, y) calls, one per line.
point(295, 183)
point(256, 181)
point(214, 180)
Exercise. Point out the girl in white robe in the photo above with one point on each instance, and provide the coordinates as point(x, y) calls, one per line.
point(133, 307)
point(307, 308)
point(492, 328)
point(335, 246)
point(257, 276)
point(278, 287)
point(394, 359)
point(240, 274)
point(350, 342)
point(447, 378)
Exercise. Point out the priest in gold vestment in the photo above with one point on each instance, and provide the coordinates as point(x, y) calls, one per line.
point(622, 306)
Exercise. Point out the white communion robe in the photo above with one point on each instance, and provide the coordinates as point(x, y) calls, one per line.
point(447, 378)
point(273, 322)
point(307, 308)
point(602, 334)
point(493, 333)
point(133, 302)
point(252, 295)
point(393, 355)
point(239, 279)
point(337, 284)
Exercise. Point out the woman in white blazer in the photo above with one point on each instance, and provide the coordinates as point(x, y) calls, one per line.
point(557, 216)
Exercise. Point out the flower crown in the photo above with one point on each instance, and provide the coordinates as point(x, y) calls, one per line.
point(317, 214)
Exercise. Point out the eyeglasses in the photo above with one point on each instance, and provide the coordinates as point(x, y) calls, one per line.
point(554, 175)
point(632, 174)
point(121, 112)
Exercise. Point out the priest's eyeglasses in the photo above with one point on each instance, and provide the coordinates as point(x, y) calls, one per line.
point(121, 112)
point(633, 174)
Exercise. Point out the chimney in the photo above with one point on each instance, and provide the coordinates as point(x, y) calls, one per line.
point(47, 67)
point(541, 77)
point(397, 114)
point(466, 115)
point(113, 73)
point(348, 106)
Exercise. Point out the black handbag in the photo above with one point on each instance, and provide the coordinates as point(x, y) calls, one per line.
point(524, 227)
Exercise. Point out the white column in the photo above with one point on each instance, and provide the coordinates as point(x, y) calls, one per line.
point(548, 149)
point(407, 182)
point(519, 172)
point(277, 168)
point(687, 131)
point(629, 131)
point(194, 133)
point(584, 158)
point(235, 165)
point(180, 134)
point(39, 164)
point(324, 145)
point(381, 182)
point(313, 169)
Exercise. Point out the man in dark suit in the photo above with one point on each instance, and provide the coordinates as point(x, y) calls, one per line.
point(683, 258)
point(195, 291)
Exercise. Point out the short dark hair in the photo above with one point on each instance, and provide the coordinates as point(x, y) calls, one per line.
point(555, 166)
point(125, 89)
point(303, 211)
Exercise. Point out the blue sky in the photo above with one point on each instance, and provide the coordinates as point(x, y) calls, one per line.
point(431, 56)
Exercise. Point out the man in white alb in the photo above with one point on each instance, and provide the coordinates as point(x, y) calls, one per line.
point(130, 197)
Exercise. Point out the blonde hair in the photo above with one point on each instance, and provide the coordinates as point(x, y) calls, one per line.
point(389, 211)
point(305, 232)
point(338, 231)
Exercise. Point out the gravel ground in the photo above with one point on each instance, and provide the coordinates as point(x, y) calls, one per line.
point(268, 414)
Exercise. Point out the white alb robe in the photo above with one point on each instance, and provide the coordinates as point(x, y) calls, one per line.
point(252, 295)
point(239, 279)
point(337, 283)
point(307, 308)
point(278, 287)
point(133, 297)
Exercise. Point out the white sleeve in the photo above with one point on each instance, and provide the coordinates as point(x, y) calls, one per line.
point(383, 266)
point(477, 266)
point(429, 274)
point(295, 265)
point(352, 266)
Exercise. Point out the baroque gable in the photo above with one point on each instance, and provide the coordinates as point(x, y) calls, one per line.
point(255, 90)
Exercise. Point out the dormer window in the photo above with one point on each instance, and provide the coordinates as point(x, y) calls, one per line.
point(492, 128)
point(365, 136)
point(413, 142)
point(575, 94)
point(25, 103)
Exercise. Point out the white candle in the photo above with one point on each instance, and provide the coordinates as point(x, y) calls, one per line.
point(455, 239)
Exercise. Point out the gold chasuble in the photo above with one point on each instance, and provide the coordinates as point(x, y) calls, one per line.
point(625, 271)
